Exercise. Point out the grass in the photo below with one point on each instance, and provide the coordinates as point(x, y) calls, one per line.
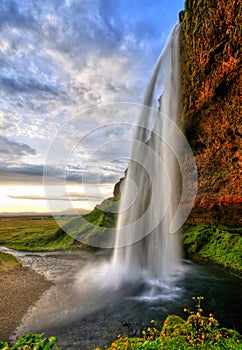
point(33, 234)
point(93, 229)
point(8, 262)
point(44, 234)
point(203, 243)
point(216, 245)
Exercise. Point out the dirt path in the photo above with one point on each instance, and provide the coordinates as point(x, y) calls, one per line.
point(20, 288)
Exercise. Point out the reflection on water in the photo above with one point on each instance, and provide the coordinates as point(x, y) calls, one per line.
point(83, 306)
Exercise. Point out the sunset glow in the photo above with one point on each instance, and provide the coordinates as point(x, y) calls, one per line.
point(32, 198)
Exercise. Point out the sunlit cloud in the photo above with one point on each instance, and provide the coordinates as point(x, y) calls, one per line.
point(61, 58)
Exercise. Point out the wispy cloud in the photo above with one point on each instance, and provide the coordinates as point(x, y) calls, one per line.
point(59, 57)
point(73, 197)
point(11, 151)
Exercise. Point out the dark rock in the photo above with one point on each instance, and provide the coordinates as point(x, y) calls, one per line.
point(181, 16)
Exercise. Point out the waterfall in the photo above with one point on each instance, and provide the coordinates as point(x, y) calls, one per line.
point(146, 247)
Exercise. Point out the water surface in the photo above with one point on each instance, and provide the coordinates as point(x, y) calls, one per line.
point(82, 306)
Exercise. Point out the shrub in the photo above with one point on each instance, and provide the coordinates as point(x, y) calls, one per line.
point(196, 332)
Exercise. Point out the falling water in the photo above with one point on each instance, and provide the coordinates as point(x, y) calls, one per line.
point(146, 246)
point(81, 304)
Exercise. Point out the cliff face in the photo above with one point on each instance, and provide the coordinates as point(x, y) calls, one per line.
point(211, 86)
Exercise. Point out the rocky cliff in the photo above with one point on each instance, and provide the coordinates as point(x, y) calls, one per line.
point(210, 117)
point(211, 114)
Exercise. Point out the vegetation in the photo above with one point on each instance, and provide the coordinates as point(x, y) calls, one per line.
point(31, 342)
point(195, 332)
point(217, 245)
point(203, 243)
point(7, 262)
point(33, 234)
point(44, 234)
point(93, 229)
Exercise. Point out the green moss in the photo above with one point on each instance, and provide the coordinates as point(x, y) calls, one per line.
point(217, 245)
point(220, 174)
point(8, 262)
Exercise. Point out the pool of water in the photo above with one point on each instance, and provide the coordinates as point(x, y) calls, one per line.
point(83, 307)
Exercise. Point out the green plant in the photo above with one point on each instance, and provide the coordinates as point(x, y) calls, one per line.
point(32, 342)
point(196, 332)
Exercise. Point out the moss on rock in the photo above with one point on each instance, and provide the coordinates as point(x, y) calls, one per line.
point(216, 245)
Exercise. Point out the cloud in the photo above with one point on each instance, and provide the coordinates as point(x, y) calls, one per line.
point(73, 197)
point(57, 58)
point(29, 85)
point(11, 151)
point(12, 15)
point(27, 173)
point(75, 49)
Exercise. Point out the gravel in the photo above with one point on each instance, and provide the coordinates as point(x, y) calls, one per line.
point(20, 288)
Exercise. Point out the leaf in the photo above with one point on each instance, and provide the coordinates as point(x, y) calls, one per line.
point(4, 345)
point(52, 341)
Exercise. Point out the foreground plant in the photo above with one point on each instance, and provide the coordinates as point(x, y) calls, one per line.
point(196, 332)
point(31, 342)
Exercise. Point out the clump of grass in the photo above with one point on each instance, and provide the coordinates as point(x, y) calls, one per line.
point(195, 332)
point(213, 244)
point(8, 262)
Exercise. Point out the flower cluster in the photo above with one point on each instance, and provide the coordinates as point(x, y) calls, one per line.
point(197, 331)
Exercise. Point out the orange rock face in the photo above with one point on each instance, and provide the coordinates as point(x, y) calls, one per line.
point(211, 115)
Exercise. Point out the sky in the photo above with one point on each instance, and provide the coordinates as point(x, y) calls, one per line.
point(70, 71)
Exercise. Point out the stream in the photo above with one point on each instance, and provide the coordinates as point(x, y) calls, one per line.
point(81, 308)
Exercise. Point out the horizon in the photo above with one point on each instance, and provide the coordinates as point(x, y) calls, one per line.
point(62, 64)
point(31, 198)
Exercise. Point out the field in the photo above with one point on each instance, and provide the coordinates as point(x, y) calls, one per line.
point(33, 234)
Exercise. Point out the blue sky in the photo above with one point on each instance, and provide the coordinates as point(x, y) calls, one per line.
point(61, 58)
